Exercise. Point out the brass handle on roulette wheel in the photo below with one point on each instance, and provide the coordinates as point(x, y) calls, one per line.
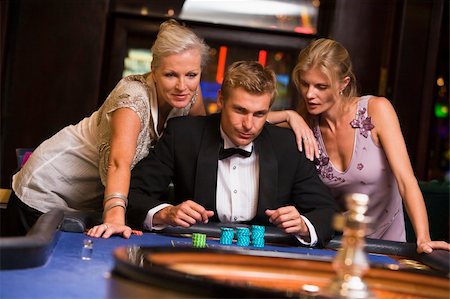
point(351, 261)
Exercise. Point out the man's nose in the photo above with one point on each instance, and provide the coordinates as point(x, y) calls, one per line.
point(247, 123)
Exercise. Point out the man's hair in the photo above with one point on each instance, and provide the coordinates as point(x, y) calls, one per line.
point(174, 38)
point(252, 77)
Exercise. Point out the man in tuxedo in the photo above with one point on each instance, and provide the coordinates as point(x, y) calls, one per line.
point(232, 167)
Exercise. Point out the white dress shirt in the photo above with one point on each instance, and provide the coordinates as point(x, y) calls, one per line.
point(237, 186)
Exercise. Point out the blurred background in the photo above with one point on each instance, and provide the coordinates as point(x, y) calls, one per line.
point(61, 58)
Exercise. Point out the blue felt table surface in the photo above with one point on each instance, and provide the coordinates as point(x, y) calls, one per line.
point(66, 275)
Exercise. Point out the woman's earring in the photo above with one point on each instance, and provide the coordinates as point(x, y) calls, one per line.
point(341, 93)
point(194, 97)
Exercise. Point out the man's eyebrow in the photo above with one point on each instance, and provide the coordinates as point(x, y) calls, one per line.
point(239, 107)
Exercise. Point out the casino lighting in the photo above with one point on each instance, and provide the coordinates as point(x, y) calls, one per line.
point(170, 12)
point(440, 110)
point(221, 64)
point(274, 14)
point(278, 56)
point(306, 21)
point(144, 11)
point(254, 7)
point(262, 57)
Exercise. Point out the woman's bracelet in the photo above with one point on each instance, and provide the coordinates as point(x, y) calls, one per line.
point(118, 203)
point(115, 195)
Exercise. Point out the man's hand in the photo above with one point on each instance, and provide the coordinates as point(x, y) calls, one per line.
point(185, 214)
point(288, 219)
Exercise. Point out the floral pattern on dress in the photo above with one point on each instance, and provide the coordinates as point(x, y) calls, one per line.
point(323, 167)
point(363, 122)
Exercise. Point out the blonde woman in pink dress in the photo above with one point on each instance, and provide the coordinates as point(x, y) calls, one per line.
point(361, 146)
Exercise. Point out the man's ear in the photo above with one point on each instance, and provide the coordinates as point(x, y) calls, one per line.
point(219, 100)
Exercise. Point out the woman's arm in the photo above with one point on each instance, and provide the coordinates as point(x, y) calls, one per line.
point(388, 134)
point(125, 128)
point(303, 133)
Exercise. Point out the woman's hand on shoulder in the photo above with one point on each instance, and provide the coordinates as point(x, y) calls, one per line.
point(106, 230)
point(303, 133)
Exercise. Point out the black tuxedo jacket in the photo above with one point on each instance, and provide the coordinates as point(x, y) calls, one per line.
point(187, 155)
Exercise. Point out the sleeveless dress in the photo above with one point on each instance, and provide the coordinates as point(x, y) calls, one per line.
point(68, 170)
point(369, 173)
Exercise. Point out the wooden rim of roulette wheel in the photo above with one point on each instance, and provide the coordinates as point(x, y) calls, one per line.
point(250, 273)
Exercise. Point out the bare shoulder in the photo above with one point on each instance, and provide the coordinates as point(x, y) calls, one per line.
point(383, 115)
point(380, 107)
point(376, 103)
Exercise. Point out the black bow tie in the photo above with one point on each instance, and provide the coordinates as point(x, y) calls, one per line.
point(228, 152)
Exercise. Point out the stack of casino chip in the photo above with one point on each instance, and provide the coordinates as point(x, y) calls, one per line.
point(198, 240)
point(258, 235)
point(243, 236)
point(226, 235)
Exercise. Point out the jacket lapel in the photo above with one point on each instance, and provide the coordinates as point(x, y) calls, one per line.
point(268, 173)
point(206, 179)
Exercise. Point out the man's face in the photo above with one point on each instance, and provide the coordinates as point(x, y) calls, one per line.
point(243, 115)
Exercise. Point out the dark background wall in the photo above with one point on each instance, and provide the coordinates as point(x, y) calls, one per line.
point(57, 62)
point(394, 46)
point(53, 53)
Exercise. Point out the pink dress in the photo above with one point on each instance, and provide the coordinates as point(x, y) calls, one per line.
point(369, 173)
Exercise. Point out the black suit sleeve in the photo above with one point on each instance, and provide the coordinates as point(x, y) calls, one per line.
point(314, 200)
point(300, 185)
point(150, 179)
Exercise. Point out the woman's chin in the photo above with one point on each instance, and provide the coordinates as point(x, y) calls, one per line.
point(313, 112)
point(179, 104)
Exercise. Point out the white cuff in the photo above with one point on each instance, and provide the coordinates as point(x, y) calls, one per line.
point(148, 222)
point(312, 233)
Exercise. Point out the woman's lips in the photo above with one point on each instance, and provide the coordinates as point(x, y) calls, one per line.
point(180, 96)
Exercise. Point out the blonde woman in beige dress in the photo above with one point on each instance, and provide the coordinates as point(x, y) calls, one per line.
point(87, 166)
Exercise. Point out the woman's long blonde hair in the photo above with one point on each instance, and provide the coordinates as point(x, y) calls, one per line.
point(333, 60)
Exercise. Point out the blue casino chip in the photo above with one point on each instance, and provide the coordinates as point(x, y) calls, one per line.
point(226, 236)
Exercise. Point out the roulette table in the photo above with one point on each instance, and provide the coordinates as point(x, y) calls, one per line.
point(48, 263)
